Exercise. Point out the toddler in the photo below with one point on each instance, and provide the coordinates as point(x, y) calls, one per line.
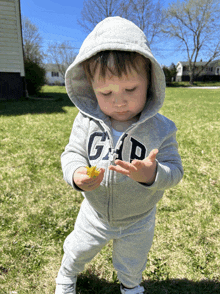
point(118, 87)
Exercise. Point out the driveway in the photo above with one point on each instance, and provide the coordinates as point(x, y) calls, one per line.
point(202, 87)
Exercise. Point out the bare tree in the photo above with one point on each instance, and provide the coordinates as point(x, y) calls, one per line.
point(95, 11)
point(61, 54)
point(32, 41)
point(195, 24)
point(147, 14)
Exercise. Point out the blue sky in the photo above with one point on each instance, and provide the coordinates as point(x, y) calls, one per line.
point(57, 21)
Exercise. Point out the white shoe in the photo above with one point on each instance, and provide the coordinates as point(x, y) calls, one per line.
point(137, 290)
point(66, 289)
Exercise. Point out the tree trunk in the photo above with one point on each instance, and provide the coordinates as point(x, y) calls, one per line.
point(191, 78)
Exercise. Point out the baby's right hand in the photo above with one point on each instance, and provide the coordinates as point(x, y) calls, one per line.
point(84, 182)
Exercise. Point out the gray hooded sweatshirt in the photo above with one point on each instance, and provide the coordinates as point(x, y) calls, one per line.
point(119, 200)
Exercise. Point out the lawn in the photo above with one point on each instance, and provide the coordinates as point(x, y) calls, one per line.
point(38, 209)
point(195, 84)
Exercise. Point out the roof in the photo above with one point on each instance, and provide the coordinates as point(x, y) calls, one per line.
point(51, 67)
point(200, 63)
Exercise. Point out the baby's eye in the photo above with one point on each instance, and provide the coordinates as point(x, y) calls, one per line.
point(106, 94)
point(131, 90)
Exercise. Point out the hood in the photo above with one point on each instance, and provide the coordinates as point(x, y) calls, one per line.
point(113, 33)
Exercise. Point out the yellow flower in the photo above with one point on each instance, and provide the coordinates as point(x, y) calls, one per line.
point(92, 171)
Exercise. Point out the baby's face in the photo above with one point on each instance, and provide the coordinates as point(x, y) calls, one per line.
point(121, 98)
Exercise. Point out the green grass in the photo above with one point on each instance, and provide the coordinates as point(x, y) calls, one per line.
point(38, 209)
point(195, 84)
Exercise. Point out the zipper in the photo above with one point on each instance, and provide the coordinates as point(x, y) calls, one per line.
point(112, 157)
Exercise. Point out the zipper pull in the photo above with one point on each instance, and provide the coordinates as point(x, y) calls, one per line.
point(113, 156)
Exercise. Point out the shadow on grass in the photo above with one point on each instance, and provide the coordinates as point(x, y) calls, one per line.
point(93, 285)
point(47, 103)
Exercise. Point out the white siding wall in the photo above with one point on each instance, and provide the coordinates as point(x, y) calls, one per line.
point(179, 69)
point(52, 80)
point(11, 52)
point(179, 73)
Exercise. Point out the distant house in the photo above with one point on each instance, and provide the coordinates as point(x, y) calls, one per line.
point(12, 73)
point(53, 76)
point(211, 72)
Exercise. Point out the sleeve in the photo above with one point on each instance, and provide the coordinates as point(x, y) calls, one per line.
point(75, 155)
point(169, 164)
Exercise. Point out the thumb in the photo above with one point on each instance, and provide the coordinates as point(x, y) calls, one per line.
point(152, 155)
point(101, 170)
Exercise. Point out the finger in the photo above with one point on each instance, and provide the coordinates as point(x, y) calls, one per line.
point(93, 180)
point(152, 155)
point(100, 177)
point(101, 174)
point(119, 169)
point(101, 170)
point(96, 181)
point(126, 165)
point(136, 163)
point(90, 180)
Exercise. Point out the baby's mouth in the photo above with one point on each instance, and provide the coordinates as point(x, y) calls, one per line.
point(122, 112)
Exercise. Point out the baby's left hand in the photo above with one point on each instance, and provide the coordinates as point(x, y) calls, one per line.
point(143, 171)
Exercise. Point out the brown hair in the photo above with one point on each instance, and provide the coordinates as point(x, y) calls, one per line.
point(117, 62)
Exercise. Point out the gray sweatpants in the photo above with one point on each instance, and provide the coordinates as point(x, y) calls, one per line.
point(131, 245)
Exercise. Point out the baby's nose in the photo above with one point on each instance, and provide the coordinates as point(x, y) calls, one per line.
point(121, 105)
point(119, 101)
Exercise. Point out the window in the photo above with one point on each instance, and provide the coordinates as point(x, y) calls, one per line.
point(209, 69)
point(54, 74)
